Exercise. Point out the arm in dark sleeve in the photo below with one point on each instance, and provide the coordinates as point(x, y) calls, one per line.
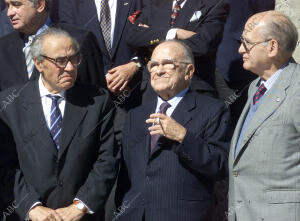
point(208, 28)
point(100, 180)
point(208, 154)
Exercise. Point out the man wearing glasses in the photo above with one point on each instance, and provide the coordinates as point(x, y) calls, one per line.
point(29, 18)
point(63, 135)
point(175, 147)
point(264, 156)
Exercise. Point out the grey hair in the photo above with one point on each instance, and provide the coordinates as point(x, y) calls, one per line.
point(279, 27)
point(188, 55)
point(48, 4)
point(36, 48)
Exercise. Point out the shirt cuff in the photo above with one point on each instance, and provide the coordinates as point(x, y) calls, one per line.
point(34, 205)
point(171, 34)
point(88, 209)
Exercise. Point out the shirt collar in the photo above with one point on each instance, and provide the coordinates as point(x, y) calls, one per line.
point(41, 29)
point(174, 100)
point(44, 91)
point(269, 83)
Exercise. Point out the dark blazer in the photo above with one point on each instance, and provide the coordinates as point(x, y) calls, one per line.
point(5, 25)
point(175, 182)
point(229, 61)
point(209, 28)
point(84, 14)
point(13, 67)
point(84, 167)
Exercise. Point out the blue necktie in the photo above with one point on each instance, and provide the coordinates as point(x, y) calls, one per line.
point(55, 120)
point(162, 110)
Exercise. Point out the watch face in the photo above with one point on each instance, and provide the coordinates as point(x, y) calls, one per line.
point(80, 206)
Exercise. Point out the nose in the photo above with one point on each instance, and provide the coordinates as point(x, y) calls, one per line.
point(70, 66)
point(10, 12)
point(241, 49)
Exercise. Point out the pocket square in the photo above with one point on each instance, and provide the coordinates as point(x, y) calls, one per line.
point(196, 16)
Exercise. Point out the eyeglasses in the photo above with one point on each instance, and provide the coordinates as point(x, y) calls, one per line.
point(167, 64)
point(63, 61)
point(249, 45)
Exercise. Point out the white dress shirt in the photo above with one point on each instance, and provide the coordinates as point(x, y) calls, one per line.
point(113, 11)
point(174, 101)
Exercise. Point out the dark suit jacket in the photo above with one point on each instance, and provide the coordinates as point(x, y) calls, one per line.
point(84, 14)
point(5, 25)
point(229, 61)
point(13, 70)
point(175, 182)
point(83, 167)
point(209, 28)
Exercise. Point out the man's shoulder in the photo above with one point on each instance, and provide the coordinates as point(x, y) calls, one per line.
point(10, 37)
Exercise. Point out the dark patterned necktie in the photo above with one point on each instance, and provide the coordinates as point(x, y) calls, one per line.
point(175, 11)
point(55, 120)
point(259, 93)
point(105, 24)
point(162, 110)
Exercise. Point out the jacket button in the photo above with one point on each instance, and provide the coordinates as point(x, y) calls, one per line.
point(60, 183)
point(235, 173)
point(147, 179)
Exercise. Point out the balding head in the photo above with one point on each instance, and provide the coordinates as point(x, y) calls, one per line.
point(171, 68)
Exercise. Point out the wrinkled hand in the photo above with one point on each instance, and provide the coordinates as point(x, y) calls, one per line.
point(41, 213)
point(118, 77)
point(184, 34)
point(70, 213)
point(167, 127)
point(143, 25)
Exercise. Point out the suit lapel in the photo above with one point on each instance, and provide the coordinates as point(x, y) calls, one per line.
point(16, 57)
point(186, 13)
point(271, 101)
point(73, 116)
point(123, 8)
point(34, 116)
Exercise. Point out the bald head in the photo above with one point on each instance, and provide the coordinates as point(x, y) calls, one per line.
point(275, 25)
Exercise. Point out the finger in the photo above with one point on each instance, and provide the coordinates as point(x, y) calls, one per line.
point(118, 85)
point(113, 70)
point(154, 127)
point(152, 121)
point(124, 86)
point(115, 82)
point(158, 115)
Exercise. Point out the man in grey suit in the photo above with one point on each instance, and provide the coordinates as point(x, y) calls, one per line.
point(264, 161)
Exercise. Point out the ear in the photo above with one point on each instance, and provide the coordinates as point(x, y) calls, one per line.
point(190, 72)
point(41, 6)
point(38, 64)
point(273, 48)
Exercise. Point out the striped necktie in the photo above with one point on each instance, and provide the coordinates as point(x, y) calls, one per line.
point(28, 56)
point(55, 119)
point(259, 93)
point(105, 24)
point(154, 138)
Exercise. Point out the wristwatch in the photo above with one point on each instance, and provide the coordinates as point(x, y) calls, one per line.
point(79, 205)
point(137, 62)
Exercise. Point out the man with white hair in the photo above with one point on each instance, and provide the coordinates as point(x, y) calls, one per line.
point(264, 157)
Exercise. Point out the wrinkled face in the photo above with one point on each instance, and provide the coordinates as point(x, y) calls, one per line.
point(55, 77)
point(22, 14)
point(170, 73)
point(253, 47)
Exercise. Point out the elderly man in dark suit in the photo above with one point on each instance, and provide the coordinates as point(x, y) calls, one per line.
point(173, 148)
point(198, 23)
point(63, 133)
point(29, 18)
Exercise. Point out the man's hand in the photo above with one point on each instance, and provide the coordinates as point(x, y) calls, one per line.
point(118, 77)
point(166, 126)
point(70, 213)
point(41, 213)
point(184, 34)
